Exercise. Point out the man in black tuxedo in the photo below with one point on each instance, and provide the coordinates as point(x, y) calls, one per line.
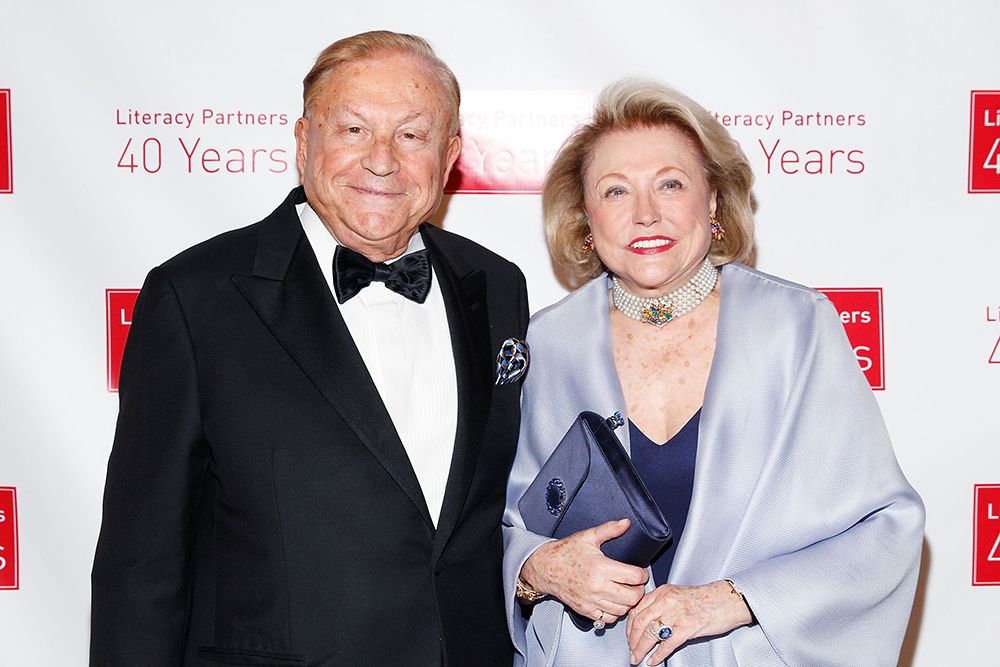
point(309, 469)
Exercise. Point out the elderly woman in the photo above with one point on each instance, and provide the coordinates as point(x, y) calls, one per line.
point(796, 538)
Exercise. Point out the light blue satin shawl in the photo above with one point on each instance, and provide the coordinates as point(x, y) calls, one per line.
point(798, 497)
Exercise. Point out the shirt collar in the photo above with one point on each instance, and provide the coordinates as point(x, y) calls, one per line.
point(324, 243)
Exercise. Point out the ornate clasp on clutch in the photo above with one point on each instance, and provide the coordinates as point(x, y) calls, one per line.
point(615, 420)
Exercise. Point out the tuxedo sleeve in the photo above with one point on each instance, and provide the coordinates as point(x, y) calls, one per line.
point(519, 542)
point(141, 573)
point(534, 446)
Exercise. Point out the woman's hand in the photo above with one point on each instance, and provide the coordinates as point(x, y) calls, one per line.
point(575, 571)
point(689, 611)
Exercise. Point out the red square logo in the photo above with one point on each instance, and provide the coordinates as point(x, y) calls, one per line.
point(8, 539)
point(986, 535)
point(120, 304)
point(510, 138)
point(984, 141)
point(6, 149)
point(860, 311)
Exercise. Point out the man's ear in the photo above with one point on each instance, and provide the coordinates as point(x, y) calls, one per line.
point(454, 150)
point(301, 130)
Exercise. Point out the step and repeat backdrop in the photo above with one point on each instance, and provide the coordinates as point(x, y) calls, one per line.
point(130, 132)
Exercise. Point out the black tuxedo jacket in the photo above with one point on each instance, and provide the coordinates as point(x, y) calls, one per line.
point(260, 508)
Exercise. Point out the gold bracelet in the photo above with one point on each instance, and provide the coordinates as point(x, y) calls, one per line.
point(526, 593)
point(735, 591)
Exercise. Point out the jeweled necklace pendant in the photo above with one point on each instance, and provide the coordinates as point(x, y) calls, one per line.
point(667, 308)
point(658, 313)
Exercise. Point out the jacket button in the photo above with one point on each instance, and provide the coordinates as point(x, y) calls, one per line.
point(439, 567)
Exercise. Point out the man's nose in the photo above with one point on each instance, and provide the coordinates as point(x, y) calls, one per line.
point(380, 159)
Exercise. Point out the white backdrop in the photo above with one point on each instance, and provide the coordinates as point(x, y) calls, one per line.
point(76, 223)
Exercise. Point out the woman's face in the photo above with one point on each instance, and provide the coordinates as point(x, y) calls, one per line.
point(649, 206)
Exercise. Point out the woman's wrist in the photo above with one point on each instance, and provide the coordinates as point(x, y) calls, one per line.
point(527, 589)
point(530, 575)
point(738, 611)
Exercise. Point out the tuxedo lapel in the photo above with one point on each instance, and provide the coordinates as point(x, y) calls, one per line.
point(463, 288)
point(289, 294)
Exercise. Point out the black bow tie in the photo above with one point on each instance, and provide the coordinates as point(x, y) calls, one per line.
point(409, 275)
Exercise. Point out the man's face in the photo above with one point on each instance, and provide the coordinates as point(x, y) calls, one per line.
point(374, 151)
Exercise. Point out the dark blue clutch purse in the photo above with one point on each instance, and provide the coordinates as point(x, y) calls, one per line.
point(590, 479)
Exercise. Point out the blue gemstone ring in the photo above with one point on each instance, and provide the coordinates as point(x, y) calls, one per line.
point(660, 631)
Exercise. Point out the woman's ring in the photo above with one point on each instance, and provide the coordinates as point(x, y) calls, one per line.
point(599, 623)
point(659, 630)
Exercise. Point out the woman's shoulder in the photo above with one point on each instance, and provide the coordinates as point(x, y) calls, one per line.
point(746, 284)
point(745, 277)
point(776, 306)
point(576, 308)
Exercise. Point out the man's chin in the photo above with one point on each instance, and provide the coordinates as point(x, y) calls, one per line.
point(389, 235)
point(375, 226)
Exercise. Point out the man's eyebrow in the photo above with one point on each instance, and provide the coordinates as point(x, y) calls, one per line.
point(358, 113)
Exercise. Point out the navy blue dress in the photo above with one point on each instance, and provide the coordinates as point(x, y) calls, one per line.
point(667, 470)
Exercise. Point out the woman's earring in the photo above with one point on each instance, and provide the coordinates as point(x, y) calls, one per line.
point(588, 244)
point(718, 232)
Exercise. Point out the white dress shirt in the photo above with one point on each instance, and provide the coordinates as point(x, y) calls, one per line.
point(407, 349)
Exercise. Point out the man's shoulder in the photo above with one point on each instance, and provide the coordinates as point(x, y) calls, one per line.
point(233, 251)
point(215, 251)
point(475, 255)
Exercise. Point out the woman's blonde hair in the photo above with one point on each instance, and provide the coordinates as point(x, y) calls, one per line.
point(630, 104)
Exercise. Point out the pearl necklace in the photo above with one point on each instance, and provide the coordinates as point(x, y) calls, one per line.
point(662, 309)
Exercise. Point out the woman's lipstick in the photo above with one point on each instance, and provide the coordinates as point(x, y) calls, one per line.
point(651, 245)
